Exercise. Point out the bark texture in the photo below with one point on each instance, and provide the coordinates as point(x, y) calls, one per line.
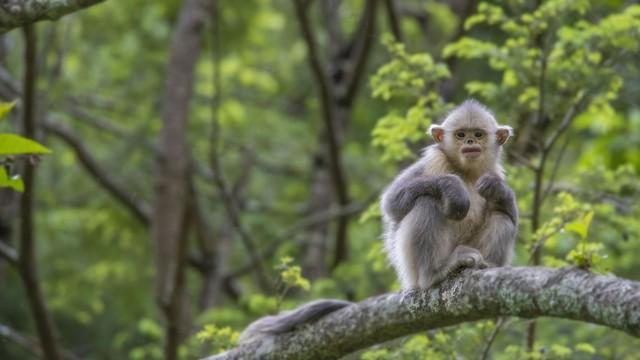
point(338, 81)
point(16, 13)
point(27, 264)
point(526, 292)
point(168, 219)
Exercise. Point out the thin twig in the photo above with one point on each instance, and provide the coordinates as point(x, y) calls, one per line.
point(538, 198)
point(394, 22)
point(229, 201)
point(8, 253)
point(138, 208)
point(556, 168)
point(363, 39)
point(27, 343)
point(494, 334)
point(311, 220)
point(540, 242)
point(523, 161)
point(329, 111)
point(564, 124)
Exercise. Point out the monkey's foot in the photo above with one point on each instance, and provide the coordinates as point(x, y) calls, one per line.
point(465, 257)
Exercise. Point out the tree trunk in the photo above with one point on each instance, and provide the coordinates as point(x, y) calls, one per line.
point(168, 223)
point(27, 263)
point(314, 261)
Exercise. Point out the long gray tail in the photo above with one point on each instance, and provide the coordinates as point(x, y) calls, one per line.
point(289, 320)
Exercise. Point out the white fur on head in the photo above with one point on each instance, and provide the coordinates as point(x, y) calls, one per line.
point(473, 115)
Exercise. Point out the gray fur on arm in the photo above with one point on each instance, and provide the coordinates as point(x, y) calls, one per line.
point(499, 195)
point(400, 197)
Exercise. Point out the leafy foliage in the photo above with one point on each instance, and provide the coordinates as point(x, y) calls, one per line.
point(531, 64)
point(11, 144)
point(413, 76)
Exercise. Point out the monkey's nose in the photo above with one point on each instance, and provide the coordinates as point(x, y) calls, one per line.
point(470, 141)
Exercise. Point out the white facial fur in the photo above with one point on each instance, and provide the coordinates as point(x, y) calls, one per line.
point(472, 154)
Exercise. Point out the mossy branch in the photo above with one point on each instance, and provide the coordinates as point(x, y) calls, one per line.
point(16, 13)
point(526, 292)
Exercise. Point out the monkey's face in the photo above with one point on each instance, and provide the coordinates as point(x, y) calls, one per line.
point(472, 148)
point(471, 137)
point(470, 143)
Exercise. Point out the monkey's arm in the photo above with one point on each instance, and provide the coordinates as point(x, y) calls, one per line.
point(499, 195)
point(399, 198)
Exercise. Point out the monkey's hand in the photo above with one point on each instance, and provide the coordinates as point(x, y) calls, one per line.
point(491, 187)
point(454, 196)
point(498, 195)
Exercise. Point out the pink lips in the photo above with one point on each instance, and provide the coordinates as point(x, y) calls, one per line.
point(471, 151)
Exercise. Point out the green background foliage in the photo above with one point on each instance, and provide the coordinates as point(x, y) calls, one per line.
point(103, 70)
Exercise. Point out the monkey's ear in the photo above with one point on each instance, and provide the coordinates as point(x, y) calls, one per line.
point(503, 133)
point(437, 132)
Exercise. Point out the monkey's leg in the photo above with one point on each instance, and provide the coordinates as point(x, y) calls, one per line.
point(425, 243)
point(497, 239)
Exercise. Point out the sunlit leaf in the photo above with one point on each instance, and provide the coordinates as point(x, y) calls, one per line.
point(581, 225)
point(11, 144)
point(5, 108)
point(12, 182)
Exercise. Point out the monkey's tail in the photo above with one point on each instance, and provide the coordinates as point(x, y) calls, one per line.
point(288, 321)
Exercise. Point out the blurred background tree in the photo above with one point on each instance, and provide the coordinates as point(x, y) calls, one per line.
point(166, 219)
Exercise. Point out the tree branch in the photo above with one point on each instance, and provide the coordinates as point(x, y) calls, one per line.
point(362, 39)
point(229, 200)
point(494, 334)
point(27, 264)
point(138, 208)
point(16, 13)
point(8, 253)
point(319, 217)
point(327, 96)
point(526, 292)
point(394, 22)
point(23, 341)
point(28, 343)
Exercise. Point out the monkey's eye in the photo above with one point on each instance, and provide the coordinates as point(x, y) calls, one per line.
point(478, 134)
point(460, 134)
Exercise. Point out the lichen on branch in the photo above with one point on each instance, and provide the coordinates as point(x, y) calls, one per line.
point(16, 13)
point(526, 292)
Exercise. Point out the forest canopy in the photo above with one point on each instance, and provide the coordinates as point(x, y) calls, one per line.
point(171, 171)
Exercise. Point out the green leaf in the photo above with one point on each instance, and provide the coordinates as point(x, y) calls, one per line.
point(581, 225)
point(560, 351)
point(13, 182)
point(11, 144)
point(587, 348)
point(5, 108)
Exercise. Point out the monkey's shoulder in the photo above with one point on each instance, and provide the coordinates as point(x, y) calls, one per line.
point(434, 162)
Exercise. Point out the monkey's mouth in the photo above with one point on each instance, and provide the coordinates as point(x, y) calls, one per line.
point(471, 152)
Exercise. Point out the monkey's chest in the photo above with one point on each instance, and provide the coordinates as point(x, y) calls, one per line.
point(468, 228)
